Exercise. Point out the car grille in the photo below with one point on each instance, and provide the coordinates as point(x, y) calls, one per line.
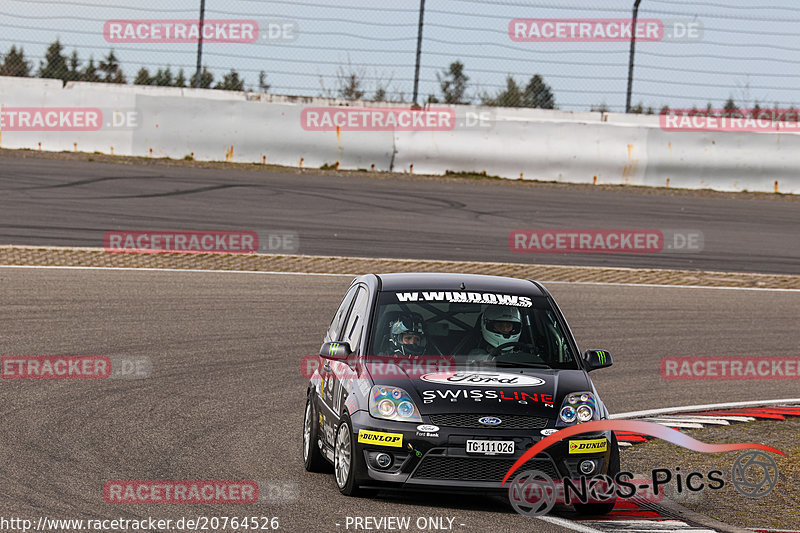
point(476, 469)
point(471, 421)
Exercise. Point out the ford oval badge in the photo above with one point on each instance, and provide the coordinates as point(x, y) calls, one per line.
point(490, 421)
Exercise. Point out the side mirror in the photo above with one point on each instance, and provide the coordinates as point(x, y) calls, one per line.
point(338, 351)
point(597, 359)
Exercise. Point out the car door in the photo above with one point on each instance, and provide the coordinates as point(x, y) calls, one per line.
point(352, 333)
point(324, 397)
point(337, 377)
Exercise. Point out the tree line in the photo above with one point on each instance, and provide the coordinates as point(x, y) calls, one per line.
point(57, 65)
point(349, 84)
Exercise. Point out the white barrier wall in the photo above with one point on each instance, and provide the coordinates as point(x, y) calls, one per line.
point(576, 147)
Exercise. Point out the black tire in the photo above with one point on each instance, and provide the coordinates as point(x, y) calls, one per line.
point(344, 459)
point(601, 508)
point(313, 459)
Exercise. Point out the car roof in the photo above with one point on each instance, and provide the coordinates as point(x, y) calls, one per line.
point(452, 282)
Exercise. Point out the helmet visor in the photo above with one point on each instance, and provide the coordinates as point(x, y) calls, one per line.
point(411, 338)
point(504, 327)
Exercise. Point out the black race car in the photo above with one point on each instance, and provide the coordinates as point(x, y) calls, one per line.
point(441, 381)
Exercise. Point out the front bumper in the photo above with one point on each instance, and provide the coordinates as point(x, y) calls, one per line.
point(429, 461)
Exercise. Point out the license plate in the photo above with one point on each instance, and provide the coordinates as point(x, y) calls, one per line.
point(491, 447)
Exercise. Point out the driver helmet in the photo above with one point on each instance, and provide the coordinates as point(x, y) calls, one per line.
point(407, 334)
point(501, 324)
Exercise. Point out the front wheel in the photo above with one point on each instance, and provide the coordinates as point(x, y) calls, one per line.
point(601, 508)
point(344, 460)
point(312, 456)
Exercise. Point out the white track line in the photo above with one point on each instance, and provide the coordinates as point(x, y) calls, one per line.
point(656, 285)
point(705, 420)
point(574, 526)
point(737, 419)
point(711, 419)
point(705, 407)
point(661, 526)
point(683, 425)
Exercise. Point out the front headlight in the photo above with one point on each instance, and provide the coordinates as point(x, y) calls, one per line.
point(392, 403)
point(578, 407)
point(386, 408)
point(572, 399)
point(585, 413)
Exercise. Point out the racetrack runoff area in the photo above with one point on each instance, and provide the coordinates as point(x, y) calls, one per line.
point(225, 350)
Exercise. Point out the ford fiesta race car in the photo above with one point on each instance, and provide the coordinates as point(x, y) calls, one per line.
point(442, 381)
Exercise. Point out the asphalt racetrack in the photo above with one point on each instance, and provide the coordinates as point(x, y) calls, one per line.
point(226, 396)
point(73, 203)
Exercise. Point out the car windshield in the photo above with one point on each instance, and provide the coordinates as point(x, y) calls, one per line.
point(474, 328)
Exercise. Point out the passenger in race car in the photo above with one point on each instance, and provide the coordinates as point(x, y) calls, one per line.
point(500, 324)
point(407, 335)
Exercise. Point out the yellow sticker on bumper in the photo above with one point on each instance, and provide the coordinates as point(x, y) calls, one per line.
point(381, 439)
point(588, 446)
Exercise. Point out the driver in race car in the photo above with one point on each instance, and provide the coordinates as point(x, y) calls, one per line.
point(407, 335)
point(500, 324)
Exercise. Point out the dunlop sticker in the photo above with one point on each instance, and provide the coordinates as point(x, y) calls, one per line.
point(588, 446)
point(394, 440)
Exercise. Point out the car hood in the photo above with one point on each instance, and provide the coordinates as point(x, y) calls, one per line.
point(533, 392)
